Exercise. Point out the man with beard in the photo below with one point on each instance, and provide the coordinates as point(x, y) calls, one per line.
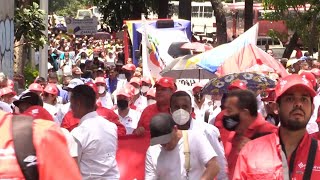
point(290, 153)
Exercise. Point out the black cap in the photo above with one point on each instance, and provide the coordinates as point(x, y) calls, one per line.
point(30, 98)
point(161, 128)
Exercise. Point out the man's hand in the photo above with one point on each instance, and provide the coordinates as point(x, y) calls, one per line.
point(139, 131)
point(212, 170)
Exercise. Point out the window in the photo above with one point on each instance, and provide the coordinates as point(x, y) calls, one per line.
point(208, 12)
point(201, 12)
point(195, 11)
point(264, 41)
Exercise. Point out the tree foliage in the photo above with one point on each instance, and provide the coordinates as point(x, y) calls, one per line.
point(29, 24)
point(299, 17)
point(68, 7)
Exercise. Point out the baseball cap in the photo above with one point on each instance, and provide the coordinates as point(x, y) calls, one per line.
point(6, 91)
point(161, 129)
point(166, 82)
point(76, 70)
point(35, 87)
point(75, 82)
point(135, 80)
point(270, 95)
point(197, 85)
point(315, 71)
point(151, 92)
point(293, 80)
point(237, 84)
point(100, 80)
point(125, 92)
point(146, 80)
point(30, 98)
point(38, 112)
point(309, 75)
point(51, 89)
point(129, 67)
point(93, 86)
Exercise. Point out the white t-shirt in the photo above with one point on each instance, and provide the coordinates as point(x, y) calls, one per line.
point(130, 121)
point(169, 165)
point(141, 103)
point(200, 111)
point(106, 101)
point(72, 145)
point(312, 125)
point(53, 110)
point(97, 141)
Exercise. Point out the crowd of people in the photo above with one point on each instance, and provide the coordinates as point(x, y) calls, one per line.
point(92, 96)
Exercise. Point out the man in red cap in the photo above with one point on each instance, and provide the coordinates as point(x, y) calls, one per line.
point(127, 116)
point(49, 96)
point(312, 126)
point(290, 153)
point(165, 87)
point(151, 96)
point(104, 95)
point(7, 95)
point(202, 106)
point(145, 85)
point(129, 70)
point(138, 100)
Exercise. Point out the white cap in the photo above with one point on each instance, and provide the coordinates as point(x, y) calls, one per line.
point(75, 82)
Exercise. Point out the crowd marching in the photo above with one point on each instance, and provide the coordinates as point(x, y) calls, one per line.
point(92, 96)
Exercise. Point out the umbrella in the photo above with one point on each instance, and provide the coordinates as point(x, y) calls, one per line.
point(178, 69)
point(254, 82)
point(175, 51)
point(196, 46)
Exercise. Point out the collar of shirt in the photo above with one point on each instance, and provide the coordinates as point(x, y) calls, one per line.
point(89, 116)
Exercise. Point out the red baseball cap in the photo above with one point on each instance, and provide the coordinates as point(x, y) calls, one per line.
point(309, 75)
point(146, 80)
point(151, 92)
point(51, 89)
point(293, 80)
point(237, 84)
point(38, 112)
point(35, 87)
point(271, 95)
point(7, 91)
point(129, 67)
point(315, 71)
point(100, 80)
point(197, 85)
point(126, 91)
point(93, 86)
point(135, 80)
point(167, 82)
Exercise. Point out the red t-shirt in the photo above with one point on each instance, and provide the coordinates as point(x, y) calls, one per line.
point(147, 114)
point(69, 122)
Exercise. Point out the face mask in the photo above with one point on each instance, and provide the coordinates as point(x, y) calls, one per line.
point(136, 91)
point(231, 122)
point(181, 116)
point(151, 101)
point(122, 104)
point(145, 89)
point(101, 89)
point(217, 103)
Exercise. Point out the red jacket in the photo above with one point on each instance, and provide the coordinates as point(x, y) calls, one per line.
point(259, 127)
point(147, 114)
point(54, 161)
point(261, 159)
point(69, 122)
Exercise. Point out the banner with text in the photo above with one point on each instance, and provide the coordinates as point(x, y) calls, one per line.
point(82, 26)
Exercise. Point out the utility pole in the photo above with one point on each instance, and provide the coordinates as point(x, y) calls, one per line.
point(43, 64)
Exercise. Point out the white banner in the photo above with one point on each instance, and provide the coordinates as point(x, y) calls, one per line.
point(82, 26)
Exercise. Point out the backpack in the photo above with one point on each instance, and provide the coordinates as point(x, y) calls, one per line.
point(22, 133)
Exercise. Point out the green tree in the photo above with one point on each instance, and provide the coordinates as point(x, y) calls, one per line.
point(302, 20)
point(68, 7)
point(29, 25)
point(221, 21)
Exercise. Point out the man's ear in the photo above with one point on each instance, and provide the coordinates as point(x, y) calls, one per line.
point(276, 109)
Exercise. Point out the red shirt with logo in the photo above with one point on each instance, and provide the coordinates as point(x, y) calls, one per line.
point(54, 161)
point(261, 159)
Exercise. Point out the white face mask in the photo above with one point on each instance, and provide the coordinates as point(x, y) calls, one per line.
point(136, 91)
point(145, 89)
point(181, 116)
point(101, 89)
point(151, 101)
